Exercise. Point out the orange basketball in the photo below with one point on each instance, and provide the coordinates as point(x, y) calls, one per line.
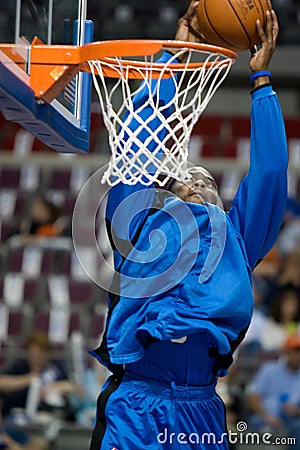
point(232, 23)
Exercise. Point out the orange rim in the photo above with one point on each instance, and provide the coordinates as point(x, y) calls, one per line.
point(111, 69)
point(53, 66)
point(72, 54)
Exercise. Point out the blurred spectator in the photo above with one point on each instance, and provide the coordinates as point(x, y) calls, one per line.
point(34, 443)
point(45, 220)
point(275, 393)
point(254, 335)
point(226, 389)
point(282, 265)
point(14, 385)
point(85, 406)
point(283, 319)
point(292, 208)
point(289, 271)
point(12, 440)
point(270, 265)
point(289, 237)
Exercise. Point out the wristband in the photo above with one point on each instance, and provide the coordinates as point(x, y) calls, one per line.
point(263, 73)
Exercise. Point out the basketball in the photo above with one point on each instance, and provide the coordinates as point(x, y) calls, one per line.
point(232, 23)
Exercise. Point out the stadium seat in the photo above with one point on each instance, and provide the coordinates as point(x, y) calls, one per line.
point(59, 323)
point(96, 326)
point(8, 200)
point(239, 126)
point(229, 149)
point(30, 178)
point(208, 126)
point(208, 148)
point(9, 177)
point(6, 230)
point(32, 291)
point(79, 175)
point(25, 178)
point(15, 323)
point(14, 260)
point(243, 149)
point(68, 206)
point(12, 292)
point(59, 180)
point(81, 293)
point(49, 261)
point(18, 323)
point(31, 260)
point(14, 204)
point(8, 135)
point(292, 127)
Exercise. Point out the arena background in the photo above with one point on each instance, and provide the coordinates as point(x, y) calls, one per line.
point(220, 142)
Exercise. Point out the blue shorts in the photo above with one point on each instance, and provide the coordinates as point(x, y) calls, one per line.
point(136, 413)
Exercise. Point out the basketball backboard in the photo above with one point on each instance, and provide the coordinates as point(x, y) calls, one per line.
point(53, 22)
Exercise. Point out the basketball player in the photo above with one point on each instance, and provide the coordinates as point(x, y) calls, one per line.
point(167, 346)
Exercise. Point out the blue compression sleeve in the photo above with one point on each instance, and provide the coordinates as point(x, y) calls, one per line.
point(259, 205)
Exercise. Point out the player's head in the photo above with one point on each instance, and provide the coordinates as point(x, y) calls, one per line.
point(199, 187)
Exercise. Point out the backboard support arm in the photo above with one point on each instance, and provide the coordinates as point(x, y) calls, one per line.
point(30, 100)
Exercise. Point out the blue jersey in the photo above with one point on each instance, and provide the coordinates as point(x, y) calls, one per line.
point(203, 291)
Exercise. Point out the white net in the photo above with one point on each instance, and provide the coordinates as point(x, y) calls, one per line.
point(158, 142)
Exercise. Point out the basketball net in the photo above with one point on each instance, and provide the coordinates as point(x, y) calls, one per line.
point(194, 84)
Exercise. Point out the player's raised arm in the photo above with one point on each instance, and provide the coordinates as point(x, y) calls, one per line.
point(260, 202)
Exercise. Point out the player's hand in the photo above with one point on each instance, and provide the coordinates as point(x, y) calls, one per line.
point(188, 29)
point(260, 59)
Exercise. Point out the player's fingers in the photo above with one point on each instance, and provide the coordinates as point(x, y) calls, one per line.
point(275, 25)
point(191, 10)
point(260, 31)
point(269, 26)
point(189, 14)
